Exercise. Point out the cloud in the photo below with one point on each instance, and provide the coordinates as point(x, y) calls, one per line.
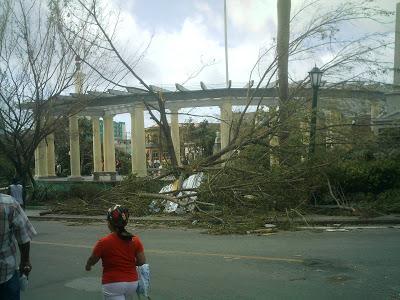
point(178, 51)
point(251, 16)
point(214, 18)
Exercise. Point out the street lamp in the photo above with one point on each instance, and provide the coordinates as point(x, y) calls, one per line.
point(315, 76)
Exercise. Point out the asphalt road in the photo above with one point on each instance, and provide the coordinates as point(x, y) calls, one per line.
point(185, 264)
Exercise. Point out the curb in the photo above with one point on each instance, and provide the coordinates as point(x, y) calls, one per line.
point(310, 222)
point(63, 218)
point(101, 219)
point(344, 222)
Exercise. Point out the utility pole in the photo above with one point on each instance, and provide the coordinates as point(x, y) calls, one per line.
point(226, 47)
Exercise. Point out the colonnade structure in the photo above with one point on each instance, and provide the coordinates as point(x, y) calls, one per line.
point(333, 102)
point(380, 102)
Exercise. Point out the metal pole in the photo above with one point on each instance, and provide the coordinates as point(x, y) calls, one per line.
point(313, 122)
point(226, 47)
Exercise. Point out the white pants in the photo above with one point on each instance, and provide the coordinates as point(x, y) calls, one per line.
point(119, 290)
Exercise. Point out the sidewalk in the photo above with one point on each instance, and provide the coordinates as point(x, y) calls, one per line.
point(35, 214)
point(343, 220)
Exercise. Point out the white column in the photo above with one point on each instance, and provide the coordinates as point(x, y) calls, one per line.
point(396, 76)
point(133, 141)
point(42, 159)
point(108, 142)
point(96, 145)
point(273, 140)
point(138, 141)
point(175, 133)
point(112, 147)
point(74, 153)
point(329, 123)
point(105, 146)
point(51, 162)
point(226, 123)
point(217, 143)
point(274, 143)
point(375, 111)
point(37, 162)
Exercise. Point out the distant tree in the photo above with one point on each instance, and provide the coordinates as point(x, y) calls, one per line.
point(7, 171)
point(125, 161)
point(389, 142)
point(202, 135)
point(36, 66)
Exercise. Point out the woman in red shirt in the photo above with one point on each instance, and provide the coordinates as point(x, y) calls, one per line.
point(120, 253)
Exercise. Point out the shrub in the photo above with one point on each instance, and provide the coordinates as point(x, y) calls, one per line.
point(373, 176)
point(389, 201)
point(386, 202)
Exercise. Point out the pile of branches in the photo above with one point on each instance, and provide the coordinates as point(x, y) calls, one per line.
point(243, 186)
point(92, 199)
point(240, 195)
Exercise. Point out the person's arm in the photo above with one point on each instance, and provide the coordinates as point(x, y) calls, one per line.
point(95, 256)
point(140, 259)
point(23, 233)
point(23, 196)
point(92, 260)
point(25, 265)
point(139, 249)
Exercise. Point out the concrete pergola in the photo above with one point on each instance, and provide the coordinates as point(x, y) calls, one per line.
point(382, 106)
point(113, 102)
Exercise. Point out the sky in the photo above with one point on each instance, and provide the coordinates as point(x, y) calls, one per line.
point(188, 34)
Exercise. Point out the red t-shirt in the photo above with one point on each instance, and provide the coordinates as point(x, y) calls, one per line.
point(118, 258)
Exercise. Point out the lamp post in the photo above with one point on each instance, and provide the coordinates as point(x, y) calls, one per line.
point(315, 76)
